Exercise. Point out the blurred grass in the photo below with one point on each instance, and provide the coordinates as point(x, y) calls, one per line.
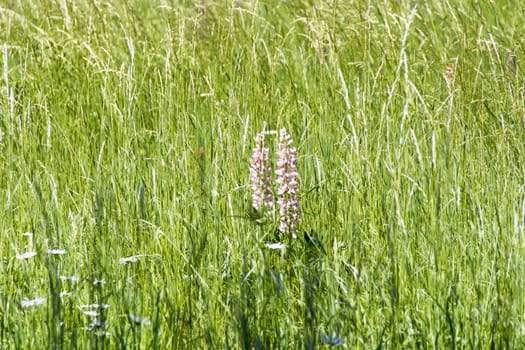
point(128, 128)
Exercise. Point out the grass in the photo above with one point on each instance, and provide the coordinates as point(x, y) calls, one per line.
point(128, 128)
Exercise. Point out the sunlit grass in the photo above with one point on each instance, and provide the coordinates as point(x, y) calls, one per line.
point(125, 204)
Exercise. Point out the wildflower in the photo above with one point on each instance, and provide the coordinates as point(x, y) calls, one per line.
point(97, 323)
point(32, 302)
point(69, 278)
point(91, 313)
point(139, 321)
point(133, 259)
point(261, 177)
point(26, 255)
point(56, 251)
point(102, 334)
point(275, 246)
point(288, 197)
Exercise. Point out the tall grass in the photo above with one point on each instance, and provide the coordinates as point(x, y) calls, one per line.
point(127, 129)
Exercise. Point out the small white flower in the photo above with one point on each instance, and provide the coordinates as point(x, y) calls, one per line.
point(69, 278)
point(139, 320)
point(275, 246)
point(97, 323)
point(26, 255)
point(133, 259)
point(99, 282)
point(102, 334)
point(91, 313)
point(33, 302)
point(56, 251)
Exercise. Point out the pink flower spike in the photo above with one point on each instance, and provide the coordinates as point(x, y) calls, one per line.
point(261, 176)
point(288, 185)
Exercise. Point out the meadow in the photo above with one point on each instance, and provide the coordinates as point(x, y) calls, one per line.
point(127, 130)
